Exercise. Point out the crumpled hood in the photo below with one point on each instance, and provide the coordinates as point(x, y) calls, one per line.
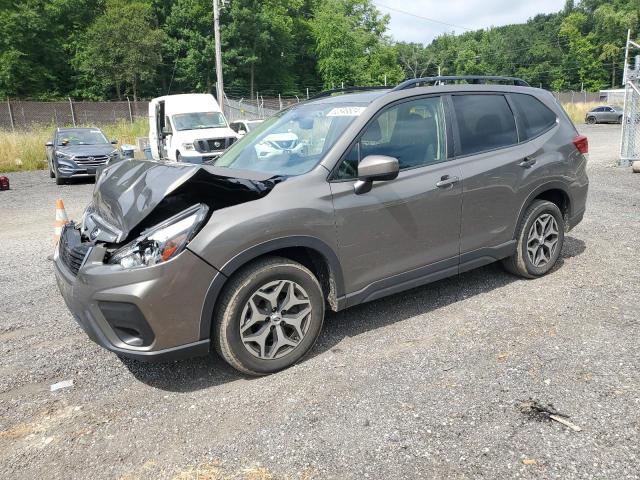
point(127, 192)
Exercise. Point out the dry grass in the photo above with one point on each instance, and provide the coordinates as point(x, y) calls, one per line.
point(214, 471)
point(578, 111)
point(25, 150)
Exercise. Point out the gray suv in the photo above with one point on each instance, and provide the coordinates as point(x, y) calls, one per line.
point(340, 200)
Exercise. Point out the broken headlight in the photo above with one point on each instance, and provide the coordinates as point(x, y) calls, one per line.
point(162, 242)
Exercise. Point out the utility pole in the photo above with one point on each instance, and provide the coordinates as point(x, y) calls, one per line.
point(216, 35)
point(626, 59)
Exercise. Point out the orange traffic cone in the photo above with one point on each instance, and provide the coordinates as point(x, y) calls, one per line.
point(61, 219)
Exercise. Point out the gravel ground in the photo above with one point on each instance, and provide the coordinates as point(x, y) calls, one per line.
point(419, 385)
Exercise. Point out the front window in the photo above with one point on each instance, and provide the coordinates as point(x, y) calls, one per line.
point(81, 137)
point(198, 121)
point(294, 141)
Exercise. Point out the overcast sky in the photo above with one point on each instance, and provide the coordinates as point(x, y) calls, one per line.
point(471, 14)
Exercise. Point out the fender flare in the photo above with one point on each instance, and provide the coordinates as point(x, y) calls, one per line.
point(256, 251)
point(554, 185)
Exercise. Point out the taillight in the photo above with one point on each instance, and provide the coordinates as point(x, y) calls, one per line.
point(582, 144)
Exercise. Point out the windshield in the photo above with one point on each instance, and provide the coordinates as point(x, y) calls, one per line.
point(81, 137)
point(198, 121)
point(292, 142)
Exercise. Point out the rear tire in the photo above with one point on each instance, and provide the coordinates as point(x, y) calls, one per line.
point(540, 236)
point(269, 316)
point(620, 119)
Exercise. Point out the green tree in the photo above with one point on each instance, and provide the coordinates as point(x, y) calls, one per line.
point(121, 49)
point(258, 37)
point(351, 44)
point(414, 59)
point(190, 46)
point(38, 39)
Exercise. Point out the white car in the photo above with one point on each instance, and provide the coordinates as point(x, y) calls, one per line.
point(188, 128)
point(279, 143)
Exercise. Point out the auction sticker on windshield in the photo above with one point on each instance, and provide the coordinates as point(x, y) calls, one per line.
point(346, 111)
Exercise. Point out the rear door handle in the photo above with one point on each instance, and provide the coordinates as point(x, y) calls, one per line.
point(528, 162)
point(446, 181)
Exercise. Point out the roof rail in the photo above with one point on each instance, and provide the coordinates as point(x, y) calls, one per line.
point(328, 93)
point(473, 79)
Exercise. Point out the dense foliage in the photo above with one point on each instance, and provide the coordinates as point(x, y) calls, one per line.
point(103, 49)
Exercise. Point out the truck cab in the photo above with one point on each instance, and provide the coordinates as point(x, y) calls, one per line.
point(188, 128)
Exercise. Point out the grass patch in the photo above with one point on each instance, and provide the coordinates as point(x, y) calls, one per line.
point(578, 111)
point(25, 150)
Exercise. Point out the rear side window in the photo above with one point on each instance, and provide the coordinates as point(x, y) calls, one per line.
point(485, 122)
point(533, 116)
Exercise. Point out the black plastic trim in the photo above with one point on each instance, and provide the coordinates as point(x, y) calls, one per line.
point(554, 185)
point(254, 252)
point(471, 79)
point(485, 256)
point(189, 350)
point(404, 281)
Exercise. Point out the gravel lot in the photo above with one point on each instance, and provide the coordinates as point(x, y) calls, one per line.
point(419, 385)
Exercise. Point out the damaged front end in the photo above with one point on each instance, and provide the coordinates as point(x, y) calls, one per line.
point(145, 212)
point(118, 269)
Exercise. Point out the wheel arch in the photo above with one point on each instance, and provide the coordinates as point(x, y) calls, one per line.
point(555, 192)
point(311, 252)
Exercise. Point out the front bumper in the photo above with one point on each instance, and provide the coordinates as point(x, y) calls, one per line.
point(169, 297)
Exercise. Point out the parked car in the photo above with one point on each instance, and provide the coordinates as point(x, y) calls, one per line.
point(79, 152)
point(394, 189)
point(188, 128)
point(604, 114)
point(242, 127)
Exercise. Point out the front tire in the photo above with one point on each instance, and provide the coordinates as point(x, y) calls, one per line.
point(540, 237)
point(269, 316)
point(591, 120)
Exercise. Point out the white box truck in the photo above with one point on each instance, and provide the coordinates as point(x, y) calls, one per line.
point(188, 128)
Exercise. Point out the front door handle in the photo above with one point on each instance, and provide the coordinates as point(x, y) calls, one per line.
point(528, 162)
point(447, 181)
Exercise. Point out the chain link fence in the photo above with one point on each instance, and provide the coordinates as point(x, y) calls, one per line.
point(22, 115)
point(630, 144)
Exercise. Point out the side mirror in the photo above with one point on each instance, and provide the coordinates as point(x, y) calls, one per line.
point(166, 131)
point(242, 132)
point(48, 144)
point(114, 142)
point(375, 168)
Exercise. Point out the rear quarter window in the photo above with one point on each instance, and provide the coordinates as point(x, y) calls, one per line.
point(534, 118)
point(485, 122)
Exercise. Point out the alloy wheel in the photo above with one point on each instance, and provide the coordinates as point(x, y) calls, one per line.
point(275, 319)
point(542, 240)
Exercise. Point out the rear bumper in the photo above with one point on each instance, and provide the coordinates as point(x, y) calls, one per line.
point(575, 219)
point(168, 299)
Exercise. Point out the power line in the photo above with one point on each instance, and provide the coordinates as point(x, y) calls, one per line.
point(433, 20)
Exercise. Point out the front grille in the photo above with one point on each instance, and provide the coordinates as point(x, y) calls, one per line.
point(71, 249)
point(91, 161)
point(213, 144)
